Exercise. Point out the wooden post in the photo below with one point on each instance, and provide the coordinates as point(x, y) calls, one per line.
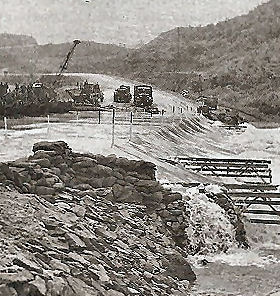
point(173, 109)
point(113, 128)
point(99, 117)
point(270, 176)
point(130, 128)
point(48, 127)
point(5, 124)
point(77, 116)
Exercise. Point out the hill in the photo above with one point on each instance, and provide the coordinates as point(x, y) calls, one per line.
point(7, 40)
point(17, 52)
point(237, 60)
point(89, 57)
point(30, 57)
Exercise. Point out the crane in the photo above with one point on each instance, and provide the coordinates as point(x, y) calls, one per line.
point(64, 66)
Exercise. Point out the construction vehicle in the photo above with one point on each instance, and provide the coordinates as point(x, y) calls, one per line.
point(122, 94)
point(36, 98)
point(87, 94)
point(209, 102)
point(206, 105)
point(143, 96)
point(64, 66)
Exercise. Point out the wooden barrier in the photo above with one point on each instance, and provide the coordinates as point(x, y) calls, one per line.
point(259, 197)
point(232, 168)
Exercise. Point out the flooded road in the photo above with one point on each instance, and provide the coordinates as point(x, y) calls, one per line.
point(255, 272)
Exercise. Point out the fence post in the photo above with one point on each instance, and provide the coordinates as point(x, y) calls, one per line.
point(99, 117)
point(5, 125)
point(113, 128)
point(77, 116)
point(130, 128)
point(48, 127)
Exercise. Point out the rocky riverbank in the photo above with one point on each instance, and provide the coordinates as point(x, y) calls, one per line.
point(83, 224)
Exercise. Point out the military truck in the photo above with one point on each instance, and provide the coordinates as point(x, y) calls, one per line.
point(143, 96)
point(122, 94)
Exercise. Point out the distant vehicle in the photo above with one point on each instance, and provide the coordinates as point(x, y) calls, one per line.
point(152, 109)
point(122, 94)
point(143, 96)
point(88, 94)
point(208, 102)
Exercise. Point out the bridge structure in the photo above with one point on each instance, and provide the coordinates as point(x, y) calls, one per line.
point(254, 194)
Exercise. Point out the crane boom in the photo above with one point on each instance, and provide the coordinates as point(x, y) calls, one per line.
point(64, 66)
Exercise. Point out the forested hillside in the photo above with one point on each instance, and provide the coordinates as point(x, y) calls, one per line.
point(238, 60)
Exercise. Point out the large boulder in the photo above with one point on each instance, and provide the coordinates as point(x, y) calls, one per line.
point(178, 267)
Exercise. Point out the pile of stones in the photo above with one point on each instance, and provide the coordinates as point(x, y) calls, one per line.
point(53, 167)
point(83, 244)
point(84, 224)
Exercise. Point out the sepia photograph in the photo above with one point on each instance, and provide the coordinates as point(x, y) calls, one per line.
point(139, 147)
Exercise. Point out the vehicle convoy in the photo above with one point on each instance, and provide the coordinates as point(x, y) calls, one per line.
point(122, 94)
point(143, 96)
point(87, 94)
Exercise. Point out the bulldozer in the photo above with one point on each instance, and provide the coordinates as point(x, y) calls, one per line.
point(88, 94)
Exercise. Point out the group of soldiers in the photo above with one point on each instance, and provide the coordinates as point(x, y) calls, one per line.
point(24, 94)
point(4, 88)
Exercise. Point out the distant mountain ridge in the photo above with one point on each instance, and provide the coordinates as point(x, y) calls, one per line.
point(21, 55)
point(236, 60)
point(7, 40)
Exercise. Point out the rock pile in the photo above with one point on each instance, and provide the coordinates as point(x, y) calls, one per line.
point(84, 224)
point(83, 244)
point(54, 167)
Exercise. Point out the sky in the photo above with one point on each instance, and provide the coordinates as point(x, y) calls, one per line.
point(128, 22)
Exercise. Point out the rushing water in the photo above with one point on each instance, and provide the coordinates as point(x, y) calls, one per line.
point(237, 272)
